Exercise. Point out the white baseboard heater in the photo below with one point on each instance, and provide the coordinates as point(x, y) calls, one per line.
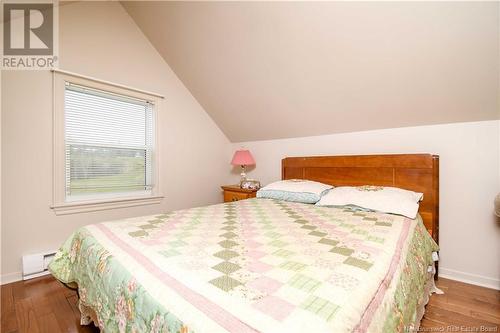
point(35, 265)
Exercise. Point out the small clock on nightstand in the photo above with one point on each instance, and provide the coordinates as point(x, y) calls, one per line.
point(235, 193)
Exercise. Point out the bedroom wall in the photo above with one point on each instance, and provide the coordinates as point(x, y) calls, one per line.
point(469, 180)
point(98, 39)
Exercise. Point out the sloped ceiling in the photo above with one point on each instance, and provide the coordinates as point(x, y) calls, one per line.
point(266, 70)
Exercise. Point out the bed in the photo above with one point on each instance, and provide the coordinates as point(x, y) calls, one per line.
point(262, 265)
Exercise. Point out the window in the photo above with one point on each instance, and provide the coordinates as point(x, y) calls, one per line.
point(106, 144)
point(109, 143)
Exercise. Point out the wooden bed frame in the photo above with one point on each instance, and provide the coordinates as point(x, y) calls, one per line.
point(415, 172)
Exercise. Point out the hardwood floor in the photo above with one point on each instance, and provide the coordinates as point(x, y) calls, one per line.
point(45, 305)
point(40, 305)
point(471, 308)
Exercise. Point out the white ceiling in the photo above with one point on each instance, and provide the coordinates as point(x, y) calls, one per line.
point(266, 70)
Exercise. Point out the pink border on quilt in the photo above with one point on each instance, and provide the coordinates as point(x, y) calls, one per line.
point(212, 310)
point(369, 313)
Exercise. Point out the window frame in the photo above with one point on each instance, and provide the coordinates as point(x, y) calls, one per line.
point(59, 203)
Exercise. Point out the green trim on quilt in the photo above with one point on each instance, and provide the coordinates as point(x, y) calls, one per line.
point(127, 307)
point(410, 290)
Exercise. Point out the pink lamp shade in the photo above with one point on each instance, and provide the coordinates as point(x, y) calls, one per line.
point(243, 157)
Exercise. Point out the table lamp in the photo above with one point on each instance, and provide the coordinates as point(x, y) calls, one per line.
point(243, 158)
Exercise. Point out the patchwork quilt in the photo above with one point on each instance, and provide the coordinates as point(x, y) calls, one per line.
point(257, 265)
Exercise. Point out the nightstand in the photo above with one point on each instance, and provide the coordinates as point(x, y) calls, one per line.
point(235, 193)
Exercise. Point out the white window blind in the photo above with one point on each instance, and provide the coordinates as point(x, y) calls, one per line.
point(109, 143)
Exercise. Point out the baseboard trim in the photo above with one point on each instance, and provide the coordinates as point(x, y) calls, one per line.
point(475, 279)
point(11, 277)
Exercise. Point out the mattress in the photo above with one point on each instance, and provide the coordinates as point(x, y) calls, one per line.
point(257, 265)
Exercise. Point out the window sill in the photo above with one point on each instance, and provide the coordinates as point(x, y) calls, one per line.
point(92, 206)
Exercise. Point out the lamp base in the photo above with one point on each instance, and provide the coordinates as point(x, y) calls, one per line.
point(243, 175)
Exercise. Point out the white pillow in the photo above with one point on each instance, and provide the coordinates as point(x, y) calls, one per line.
point(297, 190)
point(391, 200)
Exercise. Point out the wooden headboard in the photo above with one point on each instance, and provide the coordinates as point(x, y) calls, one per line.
point(415, 172)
